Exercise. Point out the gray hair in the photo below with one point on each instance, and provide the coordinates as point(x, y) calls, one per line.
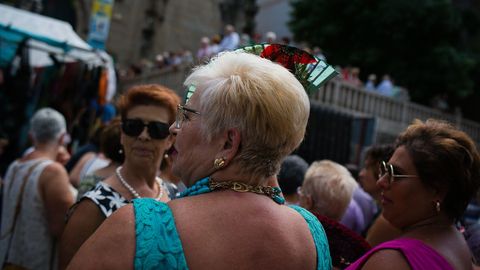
point(47, 125)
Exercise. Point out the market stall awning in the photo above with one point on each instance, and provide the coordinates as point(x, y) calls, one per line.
point(46, 37)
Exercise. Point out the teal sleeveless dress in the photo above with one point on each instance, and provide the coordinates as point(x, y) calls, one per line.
point(158, 245)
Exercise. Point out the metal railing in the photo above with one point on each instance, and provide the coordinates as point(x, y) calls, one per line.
point(393, 115)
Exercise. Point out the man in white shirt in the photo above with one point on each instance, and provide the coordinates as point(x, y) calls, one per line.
point(386, 86)
point(230, 40)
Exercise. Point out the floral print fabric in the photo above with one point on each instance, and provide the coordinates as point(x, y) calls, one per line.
point(106, 198)
point(158, 245)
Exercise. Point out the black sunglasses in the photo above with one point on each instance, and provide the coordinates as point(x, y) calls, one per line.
point(134, 127)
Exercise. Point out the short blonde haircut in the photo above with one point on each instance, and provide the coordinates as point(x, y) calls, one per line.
point(331, 187)
point(262, 99)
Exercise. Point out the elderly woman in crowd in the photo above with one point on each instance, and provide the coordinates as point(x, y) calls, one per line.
point(244, 117)
point(146, 113)
point(426, 185)
point(327, 189)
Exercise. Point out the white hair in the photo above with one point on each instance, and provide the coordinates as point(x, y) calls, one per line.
point(47, 125)
point(331, 187)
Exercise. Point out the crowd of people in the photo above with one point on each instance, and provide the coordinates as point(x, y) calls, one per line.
point(162, 61)
point(230, 40)
point(208, 47)
point(385, 86)
point(210, 183)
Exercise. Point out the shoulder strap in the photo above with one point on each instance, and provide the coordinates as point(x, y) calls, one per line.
point(416, 253)
point(324, 260)
point(14, 173)
point(18, 205)
point(158, 245)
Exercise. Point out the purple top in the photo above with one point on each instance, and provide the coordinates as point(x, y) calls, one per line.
point(419, 255)
point(353, 217)
point(360, 211)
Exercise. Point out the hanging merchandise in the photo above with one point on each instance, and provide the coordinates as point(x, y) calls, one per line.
point(46, 36)
point(43, 62)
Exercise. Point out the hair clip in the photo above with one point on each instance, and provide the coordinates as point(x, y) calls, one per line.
point(309, 70)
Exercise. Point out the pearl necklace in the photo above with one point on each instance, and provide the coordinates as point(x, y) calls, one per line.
point(132, 190)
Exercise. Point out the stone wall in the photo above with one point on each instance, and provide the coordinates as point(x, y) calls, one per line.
point(143, 28)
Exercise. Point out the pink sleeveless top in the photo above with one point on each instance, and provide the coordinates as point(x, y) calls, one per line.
point(419, 255)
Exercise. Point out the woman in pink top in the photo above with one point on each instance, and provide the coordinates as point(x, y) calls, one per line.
point(426, 185)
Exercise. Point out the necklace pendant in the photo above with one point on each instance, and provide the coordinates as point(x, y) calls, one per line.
point(207, 184)
point(240, 187)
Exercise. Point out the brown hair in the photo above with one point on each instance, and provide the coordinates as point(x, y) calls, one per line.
point(149, 94)
point(377, 154)
point(110, 141)
point(446, 159)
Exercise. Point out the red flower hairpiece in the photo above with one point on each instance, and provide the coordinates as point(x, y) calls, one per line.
point(287, 56)
point(308, 69)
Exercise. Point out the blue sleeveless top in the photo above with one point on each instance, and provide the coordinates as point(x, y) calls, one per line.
point(158, 245)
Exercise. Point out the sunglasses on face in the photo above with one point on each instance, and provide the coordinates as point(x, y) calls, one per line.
point(135, 127)
point(388, 170)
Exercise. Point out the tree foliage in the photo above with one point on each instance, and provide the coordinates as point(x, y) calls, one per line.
point(423, 44)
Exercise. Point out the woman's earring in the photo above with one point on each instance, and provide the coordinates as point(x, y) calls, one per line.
point(437, 206)
point(120, 151)
point(218, 163)
point(165, 156)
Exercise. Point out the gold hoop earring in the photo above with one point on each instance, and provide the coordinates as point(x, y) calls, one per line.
point(219, 163)
point(437, 206)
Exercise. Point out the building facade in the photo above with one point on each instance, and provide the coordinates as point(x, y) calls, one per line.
point(143, 28)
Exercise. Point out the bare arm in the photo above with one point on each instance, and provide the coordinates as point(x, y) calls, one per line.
point(82, 224)
point(57, 196)
point(386, 258)
point(112, 246)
